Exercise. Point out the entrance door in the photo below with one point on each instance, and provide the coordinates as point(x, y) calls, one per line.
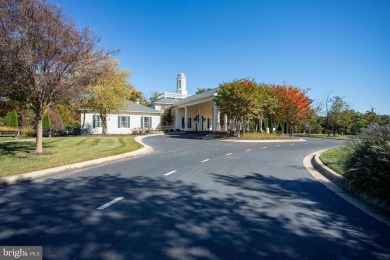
point(199, 123)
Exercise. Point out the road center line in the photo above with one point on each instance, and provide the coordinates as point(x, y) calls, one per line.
point(248, 150)
point(264, 147)
point(205, 160)
point(169, 173)
point(109, 203)
point(229, 153)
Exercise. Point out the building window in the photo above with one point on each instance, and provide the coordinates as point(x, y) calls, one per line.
point(147, 122)
point(209, 123)
point(189, 123)
point(123, 121)
point(182, 123)
point(97, 121)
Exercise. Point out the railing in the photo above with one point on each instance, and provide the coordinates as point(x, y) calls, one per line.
point(171, 95)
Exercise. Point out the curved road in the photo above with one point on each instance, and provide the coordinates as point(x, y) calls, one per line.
point(193, 199)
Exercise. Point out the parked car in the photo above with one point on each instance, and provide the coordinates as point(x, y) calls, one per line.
point(77, 131)
point(64, 133)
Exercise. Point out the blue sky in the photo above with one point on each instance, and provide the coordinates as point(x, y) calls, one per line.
point(330, 47)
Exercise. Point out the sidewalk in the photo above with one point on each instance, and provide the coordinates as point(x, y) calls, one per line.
point(31, 176)
point(333, 181)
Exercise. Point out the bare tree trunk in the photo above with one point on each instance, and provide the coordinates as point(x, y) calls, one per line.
point(38, 143)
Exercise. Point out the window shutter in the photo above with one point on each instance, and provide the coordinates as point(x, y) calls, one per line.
point(142, 122)
point(150, 122)
point(128, 121)
point(94, 121)
point(119, 121)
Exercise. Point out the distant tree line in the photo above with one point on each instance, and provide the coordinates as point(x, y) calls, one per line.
point(336, 117)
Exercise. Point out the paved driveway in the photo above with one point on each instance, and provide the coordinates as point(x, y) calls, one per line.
point(193, 199)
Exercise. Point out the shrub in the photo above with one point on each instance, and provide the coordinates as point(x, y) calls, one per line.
point(46, 124)
point(28, 131)
point(367, 167)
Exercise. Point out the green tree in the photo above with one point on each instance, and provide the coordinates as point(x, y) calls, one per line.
point(238, 100)
point(313, 122)
point(201, 90)
point(269, 105)
point(46, 124)
point(14, 119)
point(154, 97)
point(370, 117)
point(337, 108)
point(8, 119)
point(167, 117)
point(109, 92)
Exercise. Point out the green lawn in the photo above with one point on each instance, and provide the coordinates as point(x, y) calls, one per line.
point(334, 158)
point(17, 156)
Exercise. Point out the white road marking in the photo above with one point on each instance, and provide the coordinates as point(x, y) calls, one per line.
point(109, 203)
point(229, 153)
point(264, 147)
point(278, 145)
point(248, 150)
point(205, 160)
point(169, 173)
point(291, 144)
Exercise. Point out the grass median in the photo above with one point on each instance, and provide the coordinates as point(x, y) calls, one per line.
point(18, 157)
point(335, 159)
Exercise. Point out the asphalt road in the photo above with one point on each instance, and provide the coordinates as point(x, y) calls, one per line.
point(193, 199)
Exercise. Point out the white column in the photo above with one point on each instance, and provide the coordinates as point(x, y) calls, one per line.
point(200, 123)
point(216, 126)
point(218, 123)
point(225, 122)
point(214, 118)
point(185, 119)
point(177, 118)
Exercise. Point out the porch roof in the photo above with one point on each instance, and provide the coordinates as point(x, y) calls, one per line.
point(199, 98)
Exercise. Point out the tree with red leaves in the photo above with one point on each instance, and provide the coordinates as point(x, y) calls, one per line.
point(294, 105)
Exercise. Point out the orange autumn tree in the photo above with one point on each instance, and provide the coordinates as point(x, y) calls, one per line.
point(294, 105)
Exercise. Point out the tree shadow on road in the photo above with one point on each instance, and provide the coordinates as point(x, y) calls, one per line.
point(256, 217)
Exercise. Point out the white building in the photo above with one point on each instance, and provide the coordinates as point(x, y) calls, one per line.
point(125, 121)
point(192, 113)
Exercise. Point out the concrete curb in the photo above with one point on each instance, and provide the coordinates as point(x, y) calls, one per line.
point(333, 181)
point(31, 176)
point(263, 141)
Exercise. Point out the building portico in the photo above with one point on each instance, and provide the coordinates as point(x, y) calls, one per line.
point(198, 113)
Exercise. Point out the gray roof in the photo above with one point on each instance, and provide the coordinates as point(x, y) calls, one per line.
point(134, 107)
point(203, 95)
point(168, 101)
